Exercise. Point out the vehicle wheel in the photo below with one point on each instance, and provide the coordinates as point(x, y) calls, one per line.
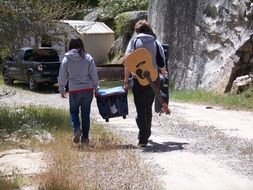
point(50, 83)
point(33, 85)
point(7, 79)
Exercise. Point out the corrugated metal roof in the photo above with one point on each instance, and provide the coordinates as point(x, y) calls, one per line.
point(86, 27)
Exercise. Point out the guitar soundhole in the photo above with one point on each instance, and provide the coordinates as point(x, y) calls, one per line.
point(139, 73)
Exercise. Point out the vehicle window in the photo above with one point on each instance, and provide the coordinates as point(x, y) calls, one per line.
point(28, 55)
point(18, 55)
point(41, 55)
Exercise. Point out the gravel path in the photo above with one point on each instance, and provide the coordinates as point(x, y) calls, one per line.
point(195, 148)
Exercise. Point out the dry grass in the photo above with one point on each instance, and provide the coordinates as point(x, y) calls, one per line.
point(8, 183)
point(105, 164)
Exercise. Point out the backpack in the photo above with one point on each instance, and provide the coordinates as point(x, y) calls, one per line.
point(159, 59)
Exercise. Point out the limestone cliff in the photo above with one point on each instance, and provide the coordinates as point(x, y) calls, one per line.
point(204, 38)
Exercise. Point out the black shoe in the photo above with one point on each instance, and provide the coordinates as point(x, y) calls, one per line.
point(142, 145)
point(77, 135)
point(85, 141)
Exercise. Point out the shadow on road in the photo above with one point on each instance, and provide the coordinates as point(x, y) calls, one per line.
point(164, 147)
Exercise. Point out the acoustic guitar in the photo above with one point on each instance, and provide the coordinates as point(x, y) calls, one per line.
point(139, 62)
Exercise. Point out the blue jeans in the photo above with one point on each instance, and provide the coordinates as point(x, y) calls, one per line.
point(80, 101)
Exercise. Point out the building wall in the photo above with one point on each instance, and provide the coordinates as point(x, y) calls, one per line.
point(98, 45)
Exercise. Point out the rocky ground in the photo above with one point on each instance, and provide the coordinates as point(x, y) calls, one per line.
point(197, 147)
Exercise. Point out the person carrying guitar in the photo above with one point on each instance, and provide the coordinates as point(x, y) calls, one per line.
point(144, 95)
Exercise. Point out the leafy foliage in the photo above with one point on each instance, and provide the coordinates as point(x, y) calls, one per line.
point(20, 20)
point(112, 8)
point(92, 3)
point(122, 22)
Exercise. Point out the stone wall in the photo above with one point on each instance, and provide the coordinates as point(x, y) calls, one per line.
point(204, 37)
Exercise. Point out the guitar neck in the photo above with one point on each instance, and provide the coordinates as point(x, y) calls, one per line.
point(154, 88)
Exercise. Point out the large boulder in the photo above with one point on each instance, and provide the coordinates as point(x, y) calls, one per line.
point(204, 37)
point(133, 17)
point(120, 44)
point(92, 16)
point(96, 16)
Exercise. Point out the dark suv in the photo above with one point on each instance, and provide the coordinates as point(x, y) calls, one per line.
point(34, 66)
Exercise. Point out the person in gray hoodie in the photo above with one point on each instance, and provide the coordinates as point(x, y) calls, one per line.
point(78, 70)
point(144, 95)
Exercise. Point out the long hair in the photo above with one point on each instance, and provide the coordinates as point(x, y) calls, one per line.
point(77, 43)
point(142, 26)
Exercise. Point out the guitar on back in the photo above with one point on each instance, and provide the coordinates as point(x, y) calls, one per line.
point(139, 62)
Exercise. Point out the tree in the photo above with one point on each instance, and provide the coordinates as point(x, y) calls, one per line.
point(21, 19)
point(92, 3)
point(112, 8)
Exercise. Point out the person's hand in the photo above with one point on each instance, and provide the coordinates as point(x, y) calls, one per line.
point(63, 94)
point(122, 60)
point(164, 72)
point(125, 86)
point(96, 92)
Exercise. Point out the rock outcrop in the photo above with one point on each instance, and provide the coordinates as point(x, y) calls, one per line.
point(204, 37)
point(119, 45)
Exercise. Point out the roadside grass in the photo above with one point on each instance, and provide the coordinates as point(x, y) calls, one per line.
point(103, 84)
point(239, 101)
point(243, 101)
point(110, 83)
point(1, 79)
point(1, 73)
point(105, 164)
point(108, 163)
point(8, 183)
point(27, 124)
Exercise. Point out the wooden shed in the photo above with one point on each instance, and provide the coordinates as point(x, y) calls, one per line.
point(97, 37)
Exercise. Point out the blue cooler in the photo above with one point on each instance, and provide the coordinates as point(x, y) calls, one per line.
point(112, 102)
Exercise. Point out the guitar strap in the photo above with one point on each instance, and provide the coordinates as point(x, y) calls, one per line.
point(135, 41)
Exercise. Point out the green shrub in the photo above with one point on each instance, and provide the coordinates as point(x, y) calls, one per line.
point(29, 121)
point(211, 11)
point(4, 53)
point(122, 23)
point(111, 8)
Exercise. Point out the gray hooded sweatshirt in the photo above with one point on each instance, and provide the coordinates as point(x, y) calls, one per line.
point(79, 72)
point(146, 41)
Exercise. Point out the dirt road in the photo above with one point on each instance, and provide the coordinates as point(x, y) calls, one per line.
point(193, 149)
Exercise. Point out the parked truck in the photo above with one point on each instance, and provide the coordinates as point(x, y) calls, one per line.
point(35, 66)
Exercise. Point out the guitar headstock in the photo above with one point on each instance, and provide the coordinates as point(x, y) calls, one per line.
point(165, 108)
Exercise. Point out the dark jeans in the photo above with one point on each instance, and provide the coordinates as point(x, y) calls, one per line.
point(80, 101)
point(143, 100)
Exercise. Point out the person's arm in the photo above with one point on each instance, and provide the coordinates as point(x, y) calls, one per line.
point(63, 78)
point(126, 72)
point(94, 74)
point(126, 77)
